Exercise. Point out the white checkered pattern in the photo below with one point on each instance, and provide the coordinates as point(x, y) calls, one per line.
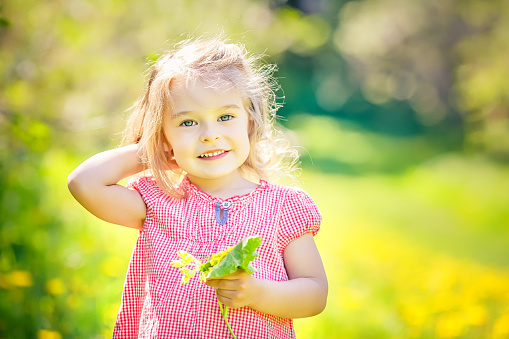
point(155, 304)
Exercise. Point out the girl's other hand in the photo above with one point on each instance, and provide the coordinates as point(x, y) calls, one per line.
point(304, 294)
point(236, 290)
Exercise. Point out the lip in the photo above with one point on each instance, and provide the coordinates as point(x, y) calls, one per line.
point(221, 153)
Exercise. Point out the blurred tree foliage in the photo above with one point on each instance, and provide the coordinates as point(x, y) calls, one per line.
point(448, 59)
point(70, 69)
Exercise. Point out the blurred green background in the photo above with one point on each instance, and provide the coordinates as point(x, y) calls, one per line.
point(402, 111)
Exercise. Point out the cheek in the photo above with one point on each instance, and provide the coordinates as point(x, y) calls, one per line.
point(180, 158)
point(177, 140)
point(246, 146)
point(180, 150)
point(246, 139)
point(176, 152)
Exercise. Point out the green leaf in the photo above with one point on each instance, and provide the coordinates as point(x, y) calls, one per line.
point(204, 267)
point(240, 257)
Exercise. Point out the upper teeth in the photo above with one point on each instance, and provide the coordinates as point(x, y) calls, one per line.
point(206, 155)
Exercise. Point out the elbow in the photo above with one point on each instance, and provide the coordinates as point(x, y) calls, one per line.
point(72, 181)
point(320, 297)
point(321, 302)
point(317, 300)
point(317, 306)
point(321, 306)
point(75, 183)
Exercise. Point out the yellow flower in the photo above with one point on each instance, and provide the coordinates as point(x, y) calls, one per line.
point(204, 269)
point(501, 327)
point(450, 325)
point(21, 278)
point(45, 334)
point(188, 274)
point(55, 286)
point(177, 263)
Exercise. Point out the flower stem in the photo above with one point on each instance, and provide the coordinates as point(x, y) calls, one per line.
point(224, 313)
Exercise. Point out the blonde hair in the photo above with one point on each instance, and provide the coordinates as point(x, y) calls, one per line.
point(218, 63)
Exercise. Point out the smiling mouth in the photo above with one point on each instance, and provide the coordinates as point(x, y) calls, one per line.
point(212, 154)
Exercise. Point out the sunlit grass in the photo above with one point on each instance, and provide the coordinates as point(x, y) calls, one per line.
point(421, 255)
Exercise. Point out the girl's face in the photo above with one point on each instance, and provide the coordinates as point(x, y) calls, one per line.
point(208, 132)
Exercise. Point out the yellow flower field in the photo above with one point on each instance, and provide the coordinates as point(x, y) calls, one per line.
point(407, 262)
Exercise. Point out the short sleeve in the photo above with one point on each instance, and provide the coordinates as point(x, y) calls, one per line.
point(148, 189)
point(299, 216)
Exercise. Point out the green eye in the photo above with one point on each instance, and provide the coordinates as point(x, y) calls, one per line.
point(188, 123)
point(226, 117)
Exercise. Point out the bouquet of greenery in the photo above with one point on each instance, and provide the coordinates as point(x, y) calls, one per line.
point(220, 265)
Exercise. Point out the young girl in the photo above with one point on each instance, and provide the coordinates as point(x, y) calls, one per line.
point(202, 140)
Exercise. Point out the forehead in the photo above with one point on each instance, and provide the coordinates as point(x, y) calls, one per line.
point(199, 95)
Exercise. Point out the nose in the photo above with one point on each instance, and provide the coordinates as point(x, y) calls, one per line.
point(209, 133)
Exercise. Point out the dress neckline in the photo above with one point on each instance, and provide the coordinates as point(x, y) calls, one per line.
point(236, 200)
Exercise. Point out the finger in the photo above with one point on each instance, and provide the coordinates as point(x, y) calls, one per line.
point(229, 301)
point(226, 294)
point(239, 274)
point(223, 284)
point(212, 283)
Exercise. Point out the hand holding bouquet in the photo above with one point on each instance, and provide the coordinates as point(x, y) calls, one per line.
point(220, 265)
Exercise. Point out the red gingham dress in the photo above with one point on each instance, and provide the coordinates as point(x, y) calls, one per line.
point(155, 304)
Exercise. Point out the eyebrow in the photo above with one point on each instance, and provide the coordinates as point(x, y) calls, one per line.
point(223, 108)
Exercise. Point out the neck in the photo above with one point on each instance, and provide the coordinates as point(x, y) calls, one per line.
point(226, 187)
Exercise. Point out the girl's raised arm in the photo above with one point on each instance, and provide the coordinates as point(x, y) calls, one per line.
point(94, 185)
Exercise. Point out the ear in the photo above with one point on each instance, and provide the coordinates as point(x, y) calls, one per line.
point(164, 141)
point(166, 147)
point(168, 151)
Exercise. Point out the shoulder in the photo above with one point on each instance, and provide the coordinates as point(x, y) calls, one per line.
point(143, 183)
point(148, 188)
point(290, 194)
point(298, 215)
